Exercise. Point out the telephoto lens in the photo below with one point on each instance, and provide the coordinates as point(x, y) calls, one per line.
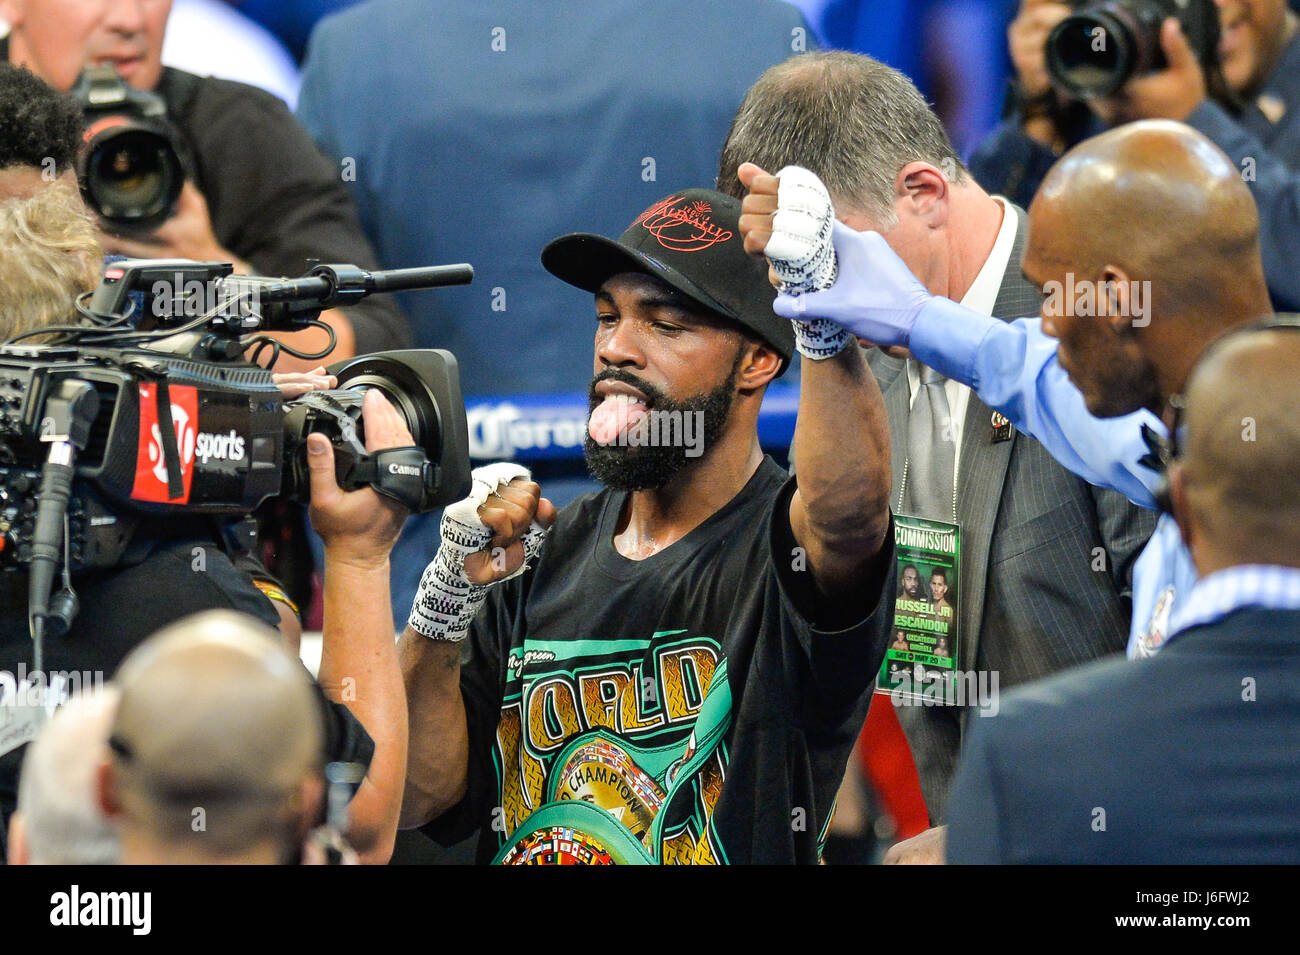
point(132, 177)
point(129, 165)
point(1100, 47)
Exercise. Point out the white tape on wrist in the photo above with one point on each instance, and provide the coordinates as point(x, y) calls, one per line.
point(803, 256)
point(820, 338)
point(447, 601)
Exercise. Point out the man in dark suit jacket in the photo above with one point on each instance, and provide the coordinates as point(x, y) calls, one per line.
point(1045, 558)
point(1188, 756)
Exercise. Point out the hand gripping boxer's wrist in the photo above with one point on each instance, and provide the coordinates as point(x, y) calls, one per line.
point(803, 258)
point(874, 296)
point(448, 599)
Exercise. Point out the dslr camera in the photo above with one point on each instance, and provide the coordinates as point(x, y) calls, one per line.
point(1101, 46)
point(130, 164)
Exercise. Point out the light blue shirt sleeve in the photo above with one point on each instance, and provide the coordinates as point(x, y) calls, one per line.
point(1012, 366)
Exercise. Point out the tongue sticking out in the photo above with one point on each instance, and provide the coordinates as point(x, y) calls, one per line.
point(613, 417)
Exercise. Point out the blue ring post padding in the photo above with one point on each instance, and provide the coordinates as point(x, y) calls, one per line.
point(550, 427)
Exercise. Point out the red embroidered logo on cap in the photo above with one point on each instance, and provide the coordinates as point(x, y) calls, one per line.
point(683, 226)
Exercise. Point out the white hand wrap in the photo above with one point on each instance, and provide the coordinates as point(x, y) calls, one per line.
point(447, 602)
point(803, 256)
point(820, 338)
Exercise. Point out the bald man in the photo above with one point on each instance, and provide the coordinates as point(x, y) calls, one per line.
point(1189, 757)
point(1094, 219)
point(216, 747)
point(1144, 243)
point(58, 821)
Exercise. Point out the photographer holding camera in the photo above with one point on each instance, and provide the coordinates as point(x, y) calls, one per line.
point(258, 193)
point(1236, 80)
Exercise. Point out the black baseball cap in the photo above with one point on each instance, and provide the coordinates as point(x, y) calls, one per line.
point(690, 240)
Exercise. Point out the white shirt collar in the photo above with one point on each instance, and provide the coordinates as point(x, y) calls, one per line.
point(983, 292)
point(1216, 595)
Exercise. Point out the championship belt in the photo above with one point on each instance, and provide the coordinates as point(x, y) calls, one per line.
point(606, 799)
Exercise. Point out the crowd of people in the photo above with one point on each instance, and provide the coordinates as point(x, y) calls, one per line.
point(1039, 519)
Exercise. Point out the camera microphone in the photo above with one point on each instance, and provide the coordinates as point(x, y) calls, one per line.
point(330, 286)
point(432, 276)
point(65, 426)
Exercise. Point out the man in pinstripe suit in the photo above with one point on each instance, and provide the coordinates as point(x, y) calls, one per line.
point(1045, 558)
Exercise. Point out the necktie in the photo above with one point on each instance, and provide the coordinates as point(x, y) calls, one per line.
point(931, 450)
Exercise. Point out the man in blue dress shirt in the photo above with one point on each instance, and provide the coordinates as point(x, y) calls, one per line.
point(1145, 243)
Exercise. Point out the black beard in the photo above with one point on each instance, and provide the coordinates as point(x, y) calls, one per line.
point(648, 466)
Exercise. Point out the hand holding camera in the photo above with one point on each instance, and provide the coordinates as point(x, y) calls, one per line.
point(358, 526)
point(133, 171)
point(1170, 93)
point(186, 235)
point(148, 411)
point(1104, 48)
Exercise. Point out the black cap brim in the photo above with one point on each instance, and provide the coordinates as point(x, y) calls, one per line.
point(588, 261)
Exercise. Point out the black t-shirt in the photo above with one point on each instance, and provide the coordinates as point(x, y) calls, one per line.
point(122, 606)
point(690, 695)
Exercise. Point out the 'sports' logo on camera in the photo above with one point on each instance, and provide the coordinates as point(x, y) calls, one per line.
point(220, 447)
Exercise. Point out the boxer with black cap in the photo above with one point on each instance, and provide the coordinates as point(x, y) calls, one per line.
point(676, 671)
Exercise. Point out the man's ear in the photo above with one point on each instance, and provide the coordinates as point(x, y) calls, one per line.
point(924, 187)
point(759, 364)
point(106, 793)
point(1116, 302)
point(12, 12)
point(1182, 513)
point(17, 853)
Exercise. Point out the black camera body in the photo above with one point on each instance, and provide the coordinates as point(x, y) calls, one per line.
point(1101, 46)
point(232, 438)
point(164, 418)
point(424, 386)
point(122, 472)
point(130, 163)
